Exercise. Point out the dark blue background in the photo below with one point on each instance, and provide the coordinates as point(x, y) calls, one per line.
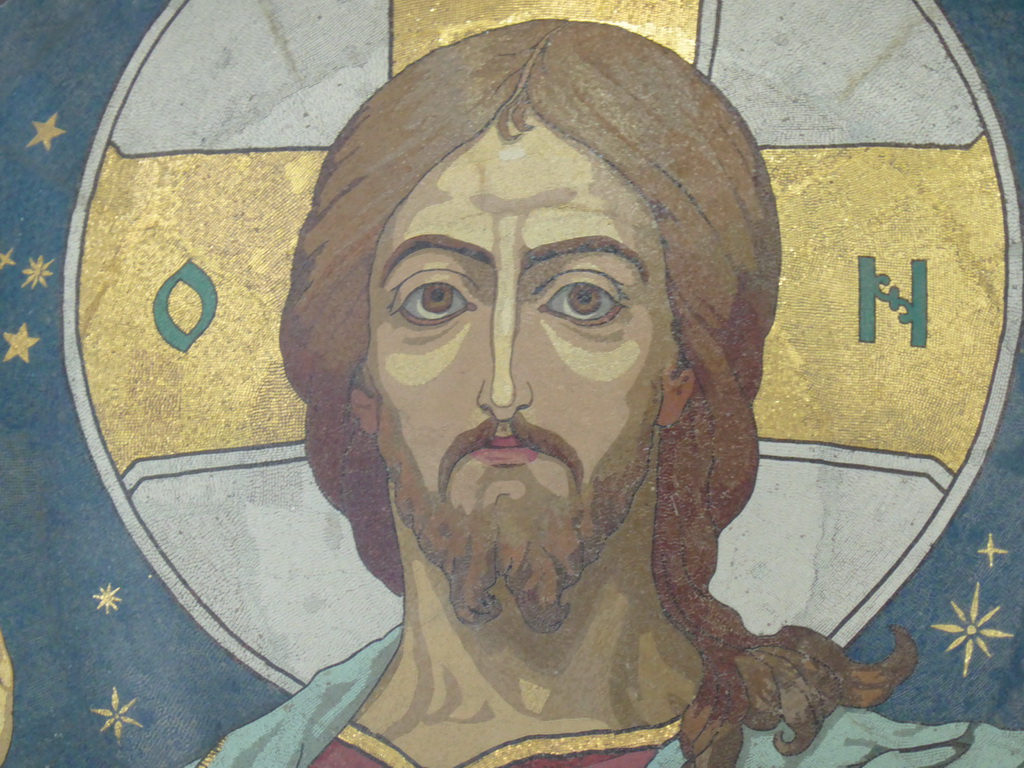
point(61, 539)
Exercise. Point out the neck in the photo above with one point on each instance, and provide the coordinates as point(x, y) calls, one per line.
point(455, 690)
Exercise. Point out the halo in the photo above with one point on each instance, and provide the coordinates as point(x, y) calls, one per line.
point(877, 405)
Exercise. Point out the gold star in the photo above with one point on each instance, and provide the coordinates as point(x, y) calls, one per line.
point(46, 132)
point(37, 272)
point(972, 633)
point(991, 550)
point(20, 343)
point(5, 259)
point(108, 598)
point(117, 716)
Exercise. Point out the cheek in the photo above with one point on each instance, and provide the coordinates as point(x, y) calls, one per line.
point(592, 391)
point(426, 389)
point(414, 369)
point(595, 365)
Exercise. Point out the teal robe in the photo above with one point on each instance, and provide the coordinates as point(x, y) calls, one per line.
point(294, 734)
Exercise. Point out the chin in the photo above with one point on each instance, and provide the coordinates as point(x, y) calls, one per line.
point(476, 486)
point(532, 523)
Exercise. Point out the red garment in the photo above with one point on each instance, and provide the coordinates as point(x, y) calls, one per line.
point(341, 755)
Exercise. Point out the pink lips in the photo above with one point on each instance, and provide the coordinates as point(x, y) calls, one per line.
point(504, 452)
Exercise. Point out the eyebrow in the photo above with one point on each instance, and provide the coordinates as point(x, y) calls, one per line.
point(542, 253)
point(589, 244)
point(434, 242)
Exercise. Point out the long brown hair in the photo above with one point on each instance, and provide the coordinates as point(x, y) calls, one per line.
point(677, 140)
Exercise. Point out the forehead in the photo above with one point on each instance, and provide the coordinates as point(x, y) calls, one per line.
point(534, 190)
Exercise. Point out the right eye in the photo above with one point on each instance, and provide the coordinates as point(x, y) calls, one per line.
point(584, 304)
point(433, 304)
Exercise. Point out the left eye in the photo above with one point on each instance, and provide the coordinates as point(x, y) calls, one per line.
point(433, 303)
point(584, 303)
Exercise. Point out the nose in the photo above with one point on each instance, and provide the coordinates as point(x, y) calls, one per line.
point(512, 396)
point(505, 390)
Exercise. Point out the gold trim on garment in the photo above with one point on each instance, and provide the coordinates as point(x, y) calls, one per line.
point(532, 746)
point(208, 760)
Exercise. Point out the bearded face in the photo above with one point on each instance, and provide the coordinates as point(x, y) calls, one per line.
point(510, 525)
point(520, 341)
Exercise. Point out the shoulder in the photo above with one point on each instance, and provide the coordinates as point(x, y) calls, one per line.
point(298, 730)
point(867, 739)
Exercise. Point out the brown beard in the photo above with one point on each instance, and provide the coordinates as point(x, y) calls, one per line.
point(540, 550)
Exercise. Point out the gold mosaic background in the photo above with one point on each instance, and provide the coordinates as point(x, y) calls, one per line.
point(420, 26)
point(237, 217)
point(895, 204)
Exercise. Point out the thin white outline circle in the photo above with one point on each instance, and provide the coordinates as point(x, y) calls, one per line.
point(847, 630)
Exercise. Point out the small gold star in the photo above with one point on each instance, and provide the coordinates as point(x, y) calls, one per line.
point(37, 272)
point(991, 550)
point(117, 715)
point(46, 132)
point(108, 598)
point(972, 633)
point(6, 260)
point(20, 343)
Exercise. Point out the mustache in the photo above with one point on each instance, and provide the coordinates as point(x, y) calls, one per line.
point(529, 435)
